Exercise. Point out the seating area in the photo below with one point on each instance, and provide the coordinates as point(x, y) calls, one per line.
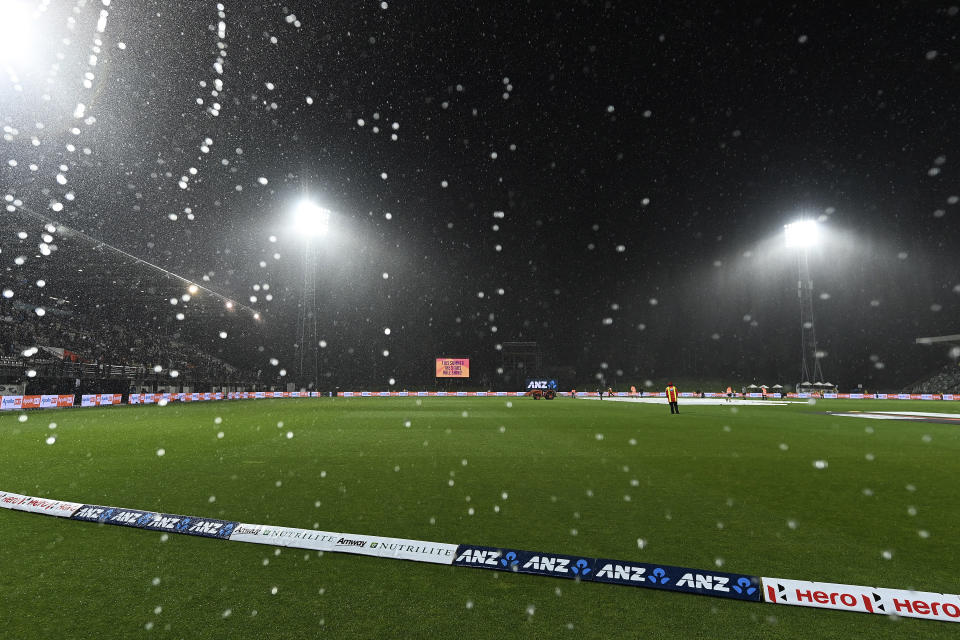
point(64, 335)
point(945, 380)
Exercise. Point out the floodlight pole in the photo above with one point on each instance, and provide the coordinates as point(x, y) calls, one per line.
point(307, 338)
point(808, 335)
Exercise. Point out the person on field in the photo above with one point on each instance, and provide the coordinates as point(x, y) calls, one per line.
point(672, 398)
point(729, 394)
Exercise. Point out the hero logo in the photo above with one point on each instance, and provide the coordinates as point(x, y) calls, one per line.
point(626, 572)
point(925, 608)
point(701, 581)
point(547, 563)
point(827, 598)
point(351, 543)
point(482, 556)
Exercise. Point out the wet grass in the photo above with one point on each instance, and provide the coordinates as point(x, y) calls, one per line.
point(713, 487)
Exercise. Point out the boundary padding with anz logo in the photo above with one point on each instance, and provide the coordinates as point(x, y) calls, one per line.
point(632, 574)
point(661, 576)
point(543, 564)
point(899, 602)
point(151, 521)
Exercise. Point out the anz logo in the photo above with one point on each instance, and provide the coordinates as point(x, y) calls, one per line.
point(547, 563)
point(541, 384)
point(509, 561)
point(126, 517)
point(625, 572)
point(744, 586)
point(707, 582)
point(552, 564)
point(484, 557)
point(580, 567)
point(659, 576)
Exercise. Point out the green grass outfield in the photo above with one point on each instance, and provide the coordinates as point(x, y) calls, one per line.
point(713, 485)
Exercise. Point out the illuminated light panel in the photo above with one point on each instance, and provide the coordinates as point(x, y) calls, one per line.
point(802, 234)
point(311, 220)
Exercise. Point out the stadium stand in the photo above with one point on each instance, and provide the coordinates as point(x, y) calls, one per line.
point(945, 380)
point(106, 322)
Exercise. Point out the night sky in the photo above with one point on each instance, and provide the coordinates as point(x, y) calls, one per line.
point(610, 180)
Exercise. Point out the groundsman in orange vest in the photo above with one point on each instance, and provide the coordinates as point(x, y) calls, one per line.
point(672, 398)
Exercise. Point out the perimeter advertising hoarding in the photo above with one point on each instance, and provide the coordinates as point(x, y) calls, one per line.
point(453, 367)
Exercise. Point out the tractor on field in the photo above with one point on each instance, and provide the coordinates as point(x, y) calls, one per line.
point(546, 394)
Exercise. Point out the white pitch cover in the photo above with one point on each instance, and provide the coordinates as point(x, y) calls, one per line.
point(848, 597)
point(400, 548)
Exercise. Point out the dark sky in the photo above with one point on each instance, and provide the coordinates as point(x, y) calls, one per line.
point(645, 158)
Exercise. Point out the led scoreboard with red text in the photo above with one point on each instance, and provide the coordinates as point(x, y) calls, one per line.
point(453, 367)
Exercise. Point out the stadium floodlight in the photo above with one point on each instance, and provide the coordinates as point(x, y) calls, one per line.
point(193, 289)
point(311, 220)
point(17, 33)
point(802, 234)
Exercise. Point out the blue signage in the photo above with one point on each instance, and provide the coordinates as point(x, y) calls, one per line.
point(516, 560)
point(152, 521)
point(656, 576)
point(636, 574)
point(542, 384)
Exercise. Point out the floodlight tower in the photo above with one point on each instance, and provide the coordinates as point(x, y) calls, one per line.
point(310, 222)
point(802, 235)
